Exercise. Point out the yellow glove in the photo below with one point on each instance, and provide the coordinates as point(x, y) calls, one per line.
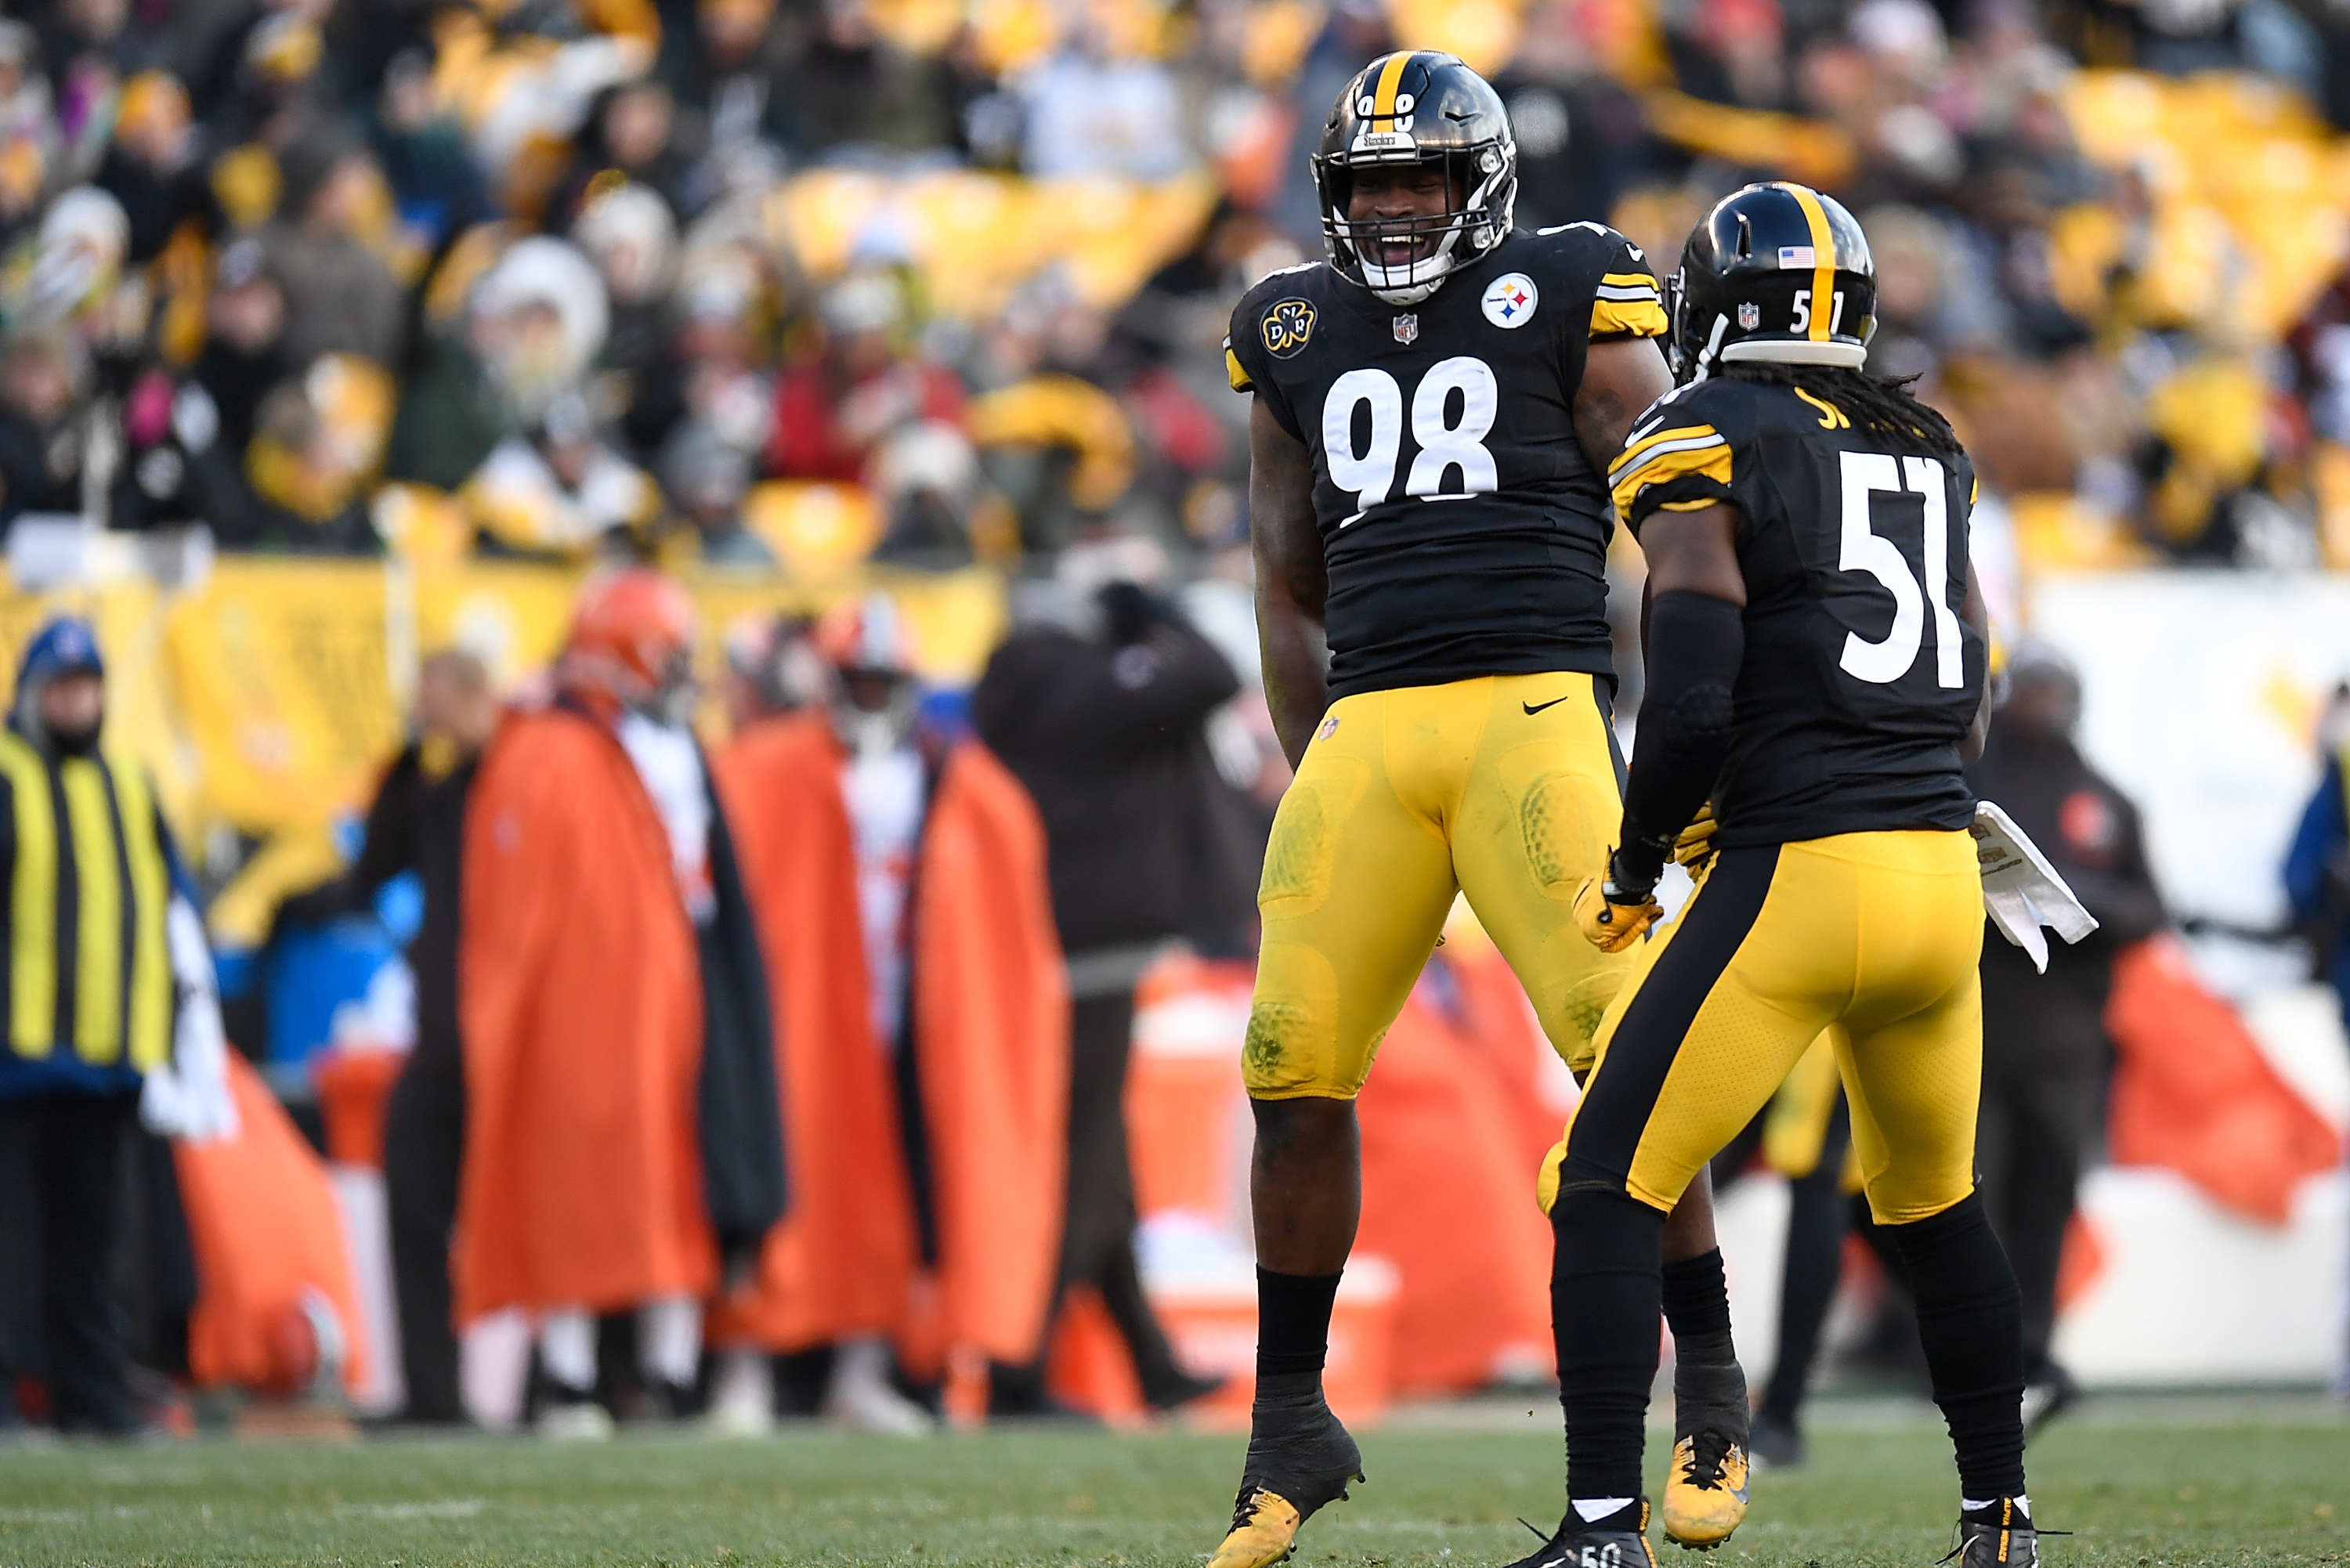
point(1612, 918)
point(1694, 848)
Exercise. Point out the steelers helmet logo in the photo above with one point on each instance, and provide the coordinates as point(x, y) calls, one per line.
point(1288, 325)
point(1510, 300)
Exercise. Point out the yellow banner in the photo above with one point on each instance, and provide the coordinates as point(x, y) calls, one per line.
point(281, 678)
point(270, 697)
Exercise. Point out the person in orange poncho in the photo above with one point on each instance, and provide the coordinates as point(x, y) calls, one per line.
point(622, 1140)
point(902, 878)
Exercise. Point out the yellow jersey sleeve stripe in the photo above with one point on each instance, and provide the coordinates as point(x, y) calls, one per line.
point(1824, 258)
point(1383, 97)
point(1974, 489)
point(1628, 285)
point(1709, 459)
point(1234, 373)
point(1639, 318)
point(1699, 504)
point(1679, 435)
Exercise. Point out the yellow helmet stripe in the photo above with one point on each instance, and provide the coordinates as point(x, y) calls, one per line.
point(1383, 97)
point(1824, 259)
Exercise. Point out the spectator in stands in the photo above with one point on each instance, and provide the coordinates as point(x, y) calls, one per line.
point(416, 824)
point(861, 384)
point(88, 1020)
point(1099, 105)
point(340, 297)
point(422, 150)
point(627, 233)
point(560, 492)
point(859, 89)
point(706, 479)
point(630, 139)
point(42, 377)
point(1101, 710)
point(2044, 1048)
point(153, 166)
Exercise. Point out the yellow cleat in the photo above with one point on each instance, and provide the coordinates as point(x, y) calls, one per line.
point(1264, 1531)
point(1705, 1492)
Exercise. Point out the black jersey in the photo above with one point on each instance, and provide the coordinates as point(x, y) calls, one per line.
point(1859, 679)
point(1465, 531)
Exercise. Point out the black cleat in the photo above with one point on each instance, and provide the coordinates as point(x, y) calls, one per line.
point(2047, 1396)
point(1580, 1545)
point(1775, 1445)
point(2000, 1536)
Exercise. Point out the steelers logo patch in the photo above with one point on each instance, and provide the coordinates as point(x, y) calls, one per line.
point(1510, 300)
point(1288, 325)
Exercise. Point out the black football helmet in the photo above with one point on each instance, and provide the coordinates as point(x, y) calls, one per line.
point(1775, 271)
point(1422, 108)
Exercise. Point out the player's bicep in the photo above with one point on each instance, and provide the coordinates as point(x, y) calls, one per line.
point(1695, 551)
point(1620, 379)
point(1281, 532)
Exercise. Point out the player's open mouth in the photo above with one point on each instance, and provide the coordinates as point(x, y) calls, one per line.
point(1400, 253)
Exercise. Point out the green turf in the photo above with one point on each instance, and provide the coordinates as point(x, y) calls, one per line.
point(2142, 1487)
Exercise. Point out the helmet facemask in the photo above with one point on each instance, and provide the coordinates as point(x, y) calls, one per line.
point(1481, 191)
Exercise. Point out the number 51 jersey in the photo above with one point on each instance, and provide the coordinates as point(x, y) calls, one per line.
point(1464, 531)
point(1859, 680)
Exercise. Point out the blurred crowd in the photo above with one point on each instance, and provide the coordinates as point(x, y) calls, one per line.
point(804, 283)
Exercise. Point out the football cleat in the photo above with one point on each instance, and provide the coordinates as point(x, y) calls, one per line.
point(1580, 1545)
point(1706, 1485)
point(1997, 1537)
point(1705, 1490)
point(1264, 1531)
point(1300, 1459)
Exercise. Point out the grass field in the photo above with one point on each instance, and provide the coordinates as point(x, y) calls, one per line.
point(2140, 1483)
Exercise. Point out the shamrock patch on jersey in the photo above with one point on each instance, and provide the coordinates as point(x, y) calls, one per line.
point(1288, 325)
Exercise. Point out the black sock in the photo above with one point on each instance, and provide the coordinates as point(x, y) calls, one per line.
point(1696, 1308)
point(1606, 1292)
point(1970, 1321)
point(1293, 1322)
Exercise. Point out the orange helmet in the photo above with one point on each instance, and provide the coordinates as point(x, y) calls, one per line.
point(866, 634)
point(632, 639)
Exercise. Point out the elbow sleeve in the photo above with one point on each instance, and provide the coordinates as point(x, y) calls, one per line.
point(1696, 643)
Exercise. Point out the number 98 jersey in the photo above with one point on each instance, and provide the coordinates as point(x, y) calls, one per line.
point(1464, 530)
point(1859, 679)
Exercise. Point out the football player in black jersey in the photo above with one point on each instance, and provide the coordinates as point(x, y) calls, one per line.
point(1816, 670)
point(1435, 404)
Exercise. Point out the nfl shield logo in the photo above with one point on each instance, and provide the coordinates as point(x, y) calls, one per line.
point(1407, 327)
point(1750, 314)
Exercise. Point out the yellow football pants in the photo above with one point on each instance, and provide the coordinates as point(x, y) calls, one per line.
point(1503, 788)
point(1876, 932)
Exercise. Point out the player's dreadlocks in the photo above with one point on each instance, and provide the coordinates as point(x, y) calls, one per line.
point(1871, 402)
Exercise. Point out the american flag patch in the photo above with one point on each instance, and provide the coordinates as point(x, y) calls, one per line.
point(1796, 256)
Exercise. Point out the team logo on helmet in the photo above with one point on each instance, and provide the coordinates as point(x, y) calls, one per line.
point(1750, 314)
point(1288, 325)
point(1407, 328)
point(1510, 300)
